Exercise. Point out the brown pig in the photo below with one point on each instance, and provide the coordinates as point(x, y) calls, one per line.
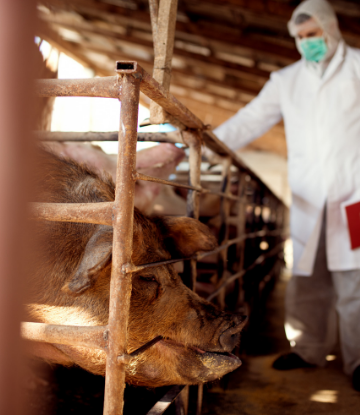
point(72, 279)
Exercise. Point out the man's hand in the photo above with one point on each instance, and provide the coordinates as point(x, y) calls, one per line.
point(212, 157)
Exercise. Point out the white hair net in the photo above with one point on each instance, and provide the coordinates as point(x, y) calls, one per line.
point(323, 14)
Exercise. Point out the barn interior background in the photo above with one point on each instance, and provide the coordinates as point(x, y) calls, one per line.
point(224, 52)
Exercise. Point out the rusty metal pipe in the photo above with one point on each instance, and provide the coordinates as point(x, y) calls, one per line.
point(106, 87)
point(140, 176)
point(99, 213)
point(163, 404)
point(171, 137)
point(157, 93)
point(146, 346)
point(82, 336)
point(120, 286)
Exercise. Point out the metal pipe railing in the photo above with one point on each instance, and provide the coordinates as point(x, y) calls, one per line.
point(126, 86)
point(173, 137)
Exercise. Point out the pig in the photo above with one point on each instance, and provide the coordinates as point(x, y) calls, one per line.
point(71, 279)
point(158, 161)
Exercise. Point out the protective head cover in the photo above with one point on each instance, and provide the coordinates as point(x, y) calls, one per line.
point(323, 17)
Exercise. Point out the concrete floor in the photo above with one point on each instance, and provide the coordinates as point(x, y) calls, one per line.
point(257, 389)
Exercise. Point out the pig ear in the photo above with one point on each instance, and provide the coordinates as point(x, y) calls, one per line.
point(183, 237)
point(96, 257)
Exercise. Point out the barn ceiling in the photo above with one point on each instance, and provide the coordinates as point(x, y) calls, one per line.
point(224, 49)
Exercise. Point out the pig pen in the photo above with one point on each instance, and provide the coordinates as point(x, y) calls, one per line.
point(250, 224)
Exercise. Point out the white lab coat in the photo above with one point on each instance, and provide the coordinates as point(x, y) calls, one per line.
point(322, 124)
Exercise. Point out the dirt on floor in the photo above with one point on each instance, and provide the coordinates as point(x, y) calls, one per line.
point(257, 389)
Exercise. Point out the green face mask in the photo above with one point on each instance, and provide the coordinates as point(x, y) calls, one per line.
point(314, 49)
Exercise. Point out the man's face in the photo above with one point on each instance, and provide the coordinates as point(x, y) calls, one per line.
point(308, 29)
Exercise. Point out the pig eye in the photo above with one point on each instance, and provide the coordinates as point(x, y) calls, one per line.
point(148, 278)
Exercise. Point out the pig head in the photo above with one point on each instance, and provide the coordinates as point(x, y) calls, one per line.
point(72, 280)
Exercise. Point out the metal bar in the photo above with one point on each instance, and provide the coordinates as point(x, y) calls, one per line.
point(137, 268)
point(239, 274)
point(163, 47)
point(120, 285)
point(99, 213)
point(171, 137)
point(146, 346)
point(106, 87)
point(140, 176)
point(241, 229)
point(82, 336)
point(157, 93)
point(163, 404)
point(193, 140)
point(224, 229)
point(199, 399)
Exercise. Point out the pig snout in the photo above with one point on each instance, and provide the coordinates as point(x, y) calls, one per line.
point(231, 336)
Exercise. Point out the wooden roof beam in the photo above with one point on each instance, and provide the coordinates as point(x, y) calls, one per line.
point(270, 50)
point(86, 28)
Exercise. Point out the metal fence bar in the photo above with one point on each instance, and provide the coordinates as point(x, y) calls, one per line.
point(140, 176)
point(98, 213)
point(224, 230)
point(240, 230)
point(120, 213)
point(163, 404)
point(106, 87)
point(120, 285)
point(192, 139)
point(82, 336)
point(171, 137)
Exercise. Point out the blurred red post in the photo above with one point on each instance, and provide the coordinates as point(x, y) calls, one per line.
point(17, 18)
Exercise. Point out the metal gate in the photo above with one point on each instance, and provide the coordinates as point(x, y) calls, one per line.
point(255, 213)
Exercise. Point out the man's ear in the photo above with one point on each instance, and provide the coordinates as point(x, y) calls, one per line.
point(96, 257)
point(183, 236)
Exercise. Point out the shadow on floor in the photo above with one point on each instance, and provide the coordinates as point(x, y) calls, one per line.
point(257, 389)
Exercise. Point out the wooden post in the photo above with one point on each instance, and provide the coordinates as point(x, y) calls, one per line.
point(164, 34)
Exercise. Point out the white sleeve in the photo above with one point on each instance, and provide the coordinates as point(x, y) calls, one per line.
point(255, 119)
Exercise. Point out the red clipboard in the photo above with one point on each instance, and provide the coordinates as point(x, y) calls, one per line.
point(353, 221)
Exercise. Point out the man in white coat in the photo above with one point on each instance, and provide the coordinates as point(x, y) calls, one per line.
point(318, 98)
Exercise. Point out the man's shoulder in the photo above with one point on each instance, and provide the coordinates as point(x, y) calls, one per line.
point(353, 52)
point(289, 71)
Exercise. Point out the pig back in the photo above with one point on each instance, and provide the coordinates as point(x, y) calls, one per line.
point(60, 246)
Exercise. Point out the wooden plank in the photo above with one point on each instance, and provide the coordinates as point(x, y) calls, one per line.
point(45, 32)
point(265, 49)
point(287, 57)
point(238, 81)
